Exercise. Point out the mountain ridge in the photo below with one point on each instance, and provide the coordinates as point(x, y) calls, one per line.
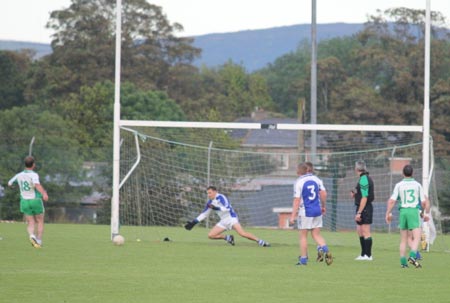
point(253, 49)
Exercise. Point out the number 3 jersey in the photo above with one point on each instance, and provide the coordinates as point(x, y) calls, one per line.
point(27, 181)
point(409, 193)
point(307, 188)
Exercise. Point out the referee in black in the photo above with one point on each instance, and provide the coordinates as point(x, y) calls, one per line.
point(364, 196)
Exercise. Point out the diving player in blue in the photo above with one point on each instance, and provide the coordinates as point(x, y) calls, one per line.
point(228, 219)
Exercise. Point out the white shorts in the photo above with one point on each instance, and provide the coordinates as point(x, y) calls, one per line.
point(304, 222)
point(227, 223)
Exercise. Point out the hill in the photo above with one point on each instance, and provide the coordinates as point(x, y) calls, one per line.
point(41, 49)
point(253, 49)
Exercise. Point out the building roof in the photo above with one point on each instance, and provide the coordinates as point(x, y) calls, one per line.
point(272, 137)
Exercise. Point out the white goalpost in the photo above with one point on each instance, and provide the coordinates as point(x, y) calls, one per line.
point(154, 144)
point(116, 131)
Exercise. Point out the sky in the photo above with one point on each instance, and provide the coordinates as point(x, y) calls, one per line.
point(25, 20)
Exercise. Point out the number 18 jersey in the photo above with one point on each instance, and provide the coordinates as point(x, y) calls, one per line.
point(27, 181)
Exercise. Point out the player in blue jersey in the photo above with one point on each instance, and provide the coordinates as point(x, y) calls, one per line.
point(32, 195)
point(228, 219)
point(309, 202)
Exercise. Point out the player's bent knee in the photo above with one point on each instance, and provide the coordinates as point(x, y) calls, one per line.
point(212, 236)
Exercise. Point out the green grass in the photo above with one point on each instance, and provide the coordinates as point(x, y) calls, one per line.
point(79, 264)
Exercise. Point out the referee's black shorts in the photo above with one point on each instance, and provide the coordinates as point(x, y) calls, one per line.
point(366, 215)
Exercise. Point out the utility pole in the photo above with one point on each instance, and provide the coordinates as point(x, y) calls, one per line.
point(313, 81)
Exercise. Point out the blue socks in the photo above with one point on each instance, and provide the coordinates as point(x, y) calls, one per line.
point(302, 260)
point(323, 248)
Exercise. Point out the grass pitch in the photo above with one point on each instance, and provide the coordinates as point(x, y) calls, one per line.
point(78, 263)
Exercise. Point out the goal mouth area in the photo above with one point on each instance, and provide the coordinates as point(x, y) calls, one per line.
point(255, 168)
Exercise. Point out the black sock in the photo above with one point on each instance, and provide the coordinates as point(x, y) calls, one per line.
point(368, 246)
point(361, 241)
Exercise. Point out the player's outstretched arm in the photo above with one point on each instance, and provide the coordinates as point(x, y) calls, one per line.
point(189, 225)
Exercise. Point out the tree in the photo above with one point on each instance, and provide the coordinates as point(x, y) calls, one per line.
point(410, 23)
point(14, 67)
point(287, 79)
point(392, 60)
point(330, 74)
point(354, 102)
point(92, 110)
point(54, 140)
point(228, 90)
point(235, 87)
point(55, 149)
point(343, 49)
point(150, 47)
point(440, 111)
point(185, 82)
point(148, 105)
point(84, 47)
point(259, 92)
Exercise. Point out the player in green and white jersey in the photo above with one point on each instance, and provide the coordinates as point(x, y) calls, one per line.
point(410, 195)
point(32, 195)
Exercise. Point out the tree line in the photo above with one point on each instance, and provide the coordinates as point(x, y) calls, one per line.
point(65, 99)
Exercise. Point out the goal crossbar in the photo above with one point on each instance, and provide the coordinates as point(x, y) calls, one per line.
point(282, 126)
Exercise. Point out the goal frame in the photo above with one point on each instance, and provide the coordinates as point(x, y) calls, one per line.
point(124, 124)
point(118, 123)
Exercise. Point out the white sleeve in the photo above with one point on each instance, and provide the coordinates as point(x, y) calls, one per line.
point(394, 195)
point(296, 192)
point(203, 215)
point(223, 208)
point(12, 180)
point(35, 178)
point(321, 186)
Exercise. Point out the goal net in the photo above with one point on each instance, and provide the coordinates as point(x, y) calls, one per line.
point(167, 171)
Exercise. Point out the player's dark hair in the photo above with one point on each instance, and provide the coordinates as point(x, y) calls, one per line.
point(29, 161)
point(408, 170)
point(302, 168)
point(310, 166)
point(212, 188)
